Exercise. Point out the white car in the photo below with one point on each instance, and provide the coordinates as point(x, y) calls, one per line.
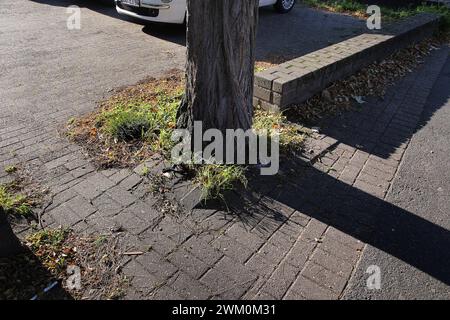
point(174, 11)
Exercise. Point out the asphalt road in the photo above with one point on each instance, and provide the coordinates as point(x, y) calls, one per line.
point(422, 189)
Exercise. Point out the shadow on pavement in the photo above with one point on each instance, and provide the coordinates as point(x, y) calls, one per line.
point(372, 220)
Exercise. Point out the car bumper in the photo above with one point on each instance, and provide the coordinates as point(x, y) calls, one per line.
point(174, 12)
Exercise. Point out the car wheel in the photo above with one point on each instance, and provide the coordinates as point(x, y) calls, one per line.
point(284, 6)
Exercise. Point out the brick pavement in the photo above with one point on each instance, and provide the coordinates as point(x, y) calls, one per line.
point(290, 245)
point(295, 240)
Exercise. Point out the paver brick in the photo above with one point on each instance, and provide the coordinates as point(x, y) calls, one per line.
point(334, 248)
point(240, 273)
point(344, 238)
point(141, 279)
point(105, 203)
point(304, 288)
point(81, 206)
point(188, 263)
point(221, 286)
point(121, 196)
point(129, 222)
point(244, 236)
point(158, 241)
point(300, 253)
point(158, 267)
point(349, 174)
point(324, 277)
point(281, 280)
point(336, 265)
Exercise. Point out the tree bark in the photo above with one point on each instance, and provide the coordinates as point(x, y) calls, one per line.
point(220, 64)
point(9, 244)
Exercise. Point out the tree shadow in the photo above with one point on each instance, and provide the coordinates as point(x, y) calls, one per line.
point(105, 7)
point(402, 234)
point(381, 126)
point(270, 200)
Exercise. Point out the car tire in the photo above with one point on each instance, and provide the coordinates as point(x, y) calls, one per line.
point(284, 6)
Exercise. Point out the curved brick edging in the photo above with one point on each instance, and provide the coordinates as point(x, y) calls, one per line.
point(297, 80)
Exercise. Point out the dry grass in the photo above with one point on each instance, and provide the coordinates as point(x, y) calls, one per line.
point(50, 253)
point(370, 81)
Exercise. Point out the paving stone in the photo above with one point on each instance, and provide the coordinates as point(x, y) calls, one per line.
point(349, 174)
point(299, 219)
point(281, 280)
point(101, 221)
point(64, 216)
point(344, 238)
point(307, 289)
point(106, 204)
point(158, 241)
point(236, 271)
point(273, 253)
point(76, 163)
point(130, 222)
point(336, 265)
point(165, 293)
point(324, 277)
point(121, 196)
point(87, 190)
point(60, 161)
point(370, 189)
point(300, 253)
point(130, 182)
point(189, 288)
point(81, 206)
point(244, 236)
point(336, 249)
point(158, 267)
point(313, 231)
point(232, 248)
point(222, 286)
point(144, 212)
point(202, 250)
point(173, 230)
point(120, 175)
point(281, 239)
point(82, 171)
point(259, 264)
point(141, 279)
point(375, 181)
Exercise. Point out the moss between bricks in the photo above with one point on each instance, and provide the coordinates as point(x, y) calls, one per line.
point(49, 254)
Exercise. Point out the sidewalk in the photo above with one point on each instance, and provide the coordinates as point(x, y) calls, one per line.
point(297, 240)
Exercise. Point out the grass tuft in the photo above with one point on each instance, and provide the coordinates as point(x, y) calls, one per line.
point(217, 179)
point(291, 134)
point(49, 245)
point(10, 169)
point(359, 9)
point(143, 117)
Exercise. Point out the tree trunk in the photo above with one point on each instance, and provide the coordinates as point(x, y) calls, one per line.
point(220, 64)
